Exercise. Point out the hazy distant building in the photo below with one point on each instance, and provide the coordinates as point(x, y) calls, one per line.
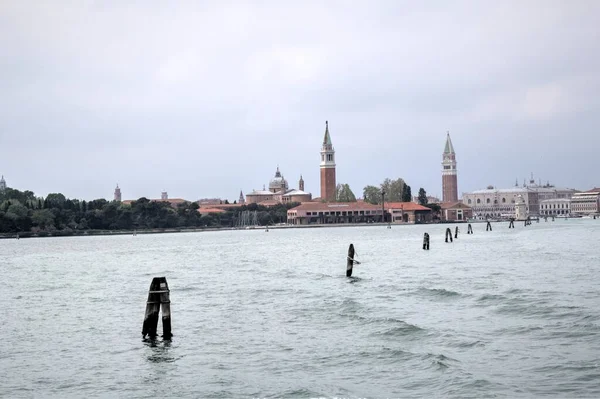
point(555, 206)
point(586, 203)
point(117, 196)
point(497, 203)
point(164, 196)
point(327, 167)
point(210, 201)
point(449, 177)
point(2, 184)
point(241, 200)
point(278, 192)
point(520, 208)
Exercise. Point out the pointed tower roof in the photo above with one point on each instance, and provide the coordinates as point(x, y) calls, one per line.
point(327, 138)
point(448, 149)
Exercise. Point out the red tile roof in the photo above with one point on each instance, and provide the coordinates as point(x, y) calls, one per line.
point(406, 206)
point(336, 206)
point(206, 210)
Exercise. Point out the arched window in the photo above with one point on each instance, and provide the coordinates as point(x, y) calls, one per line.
point(487, 201)
point(503, 200)
point(469, 202)
point(495, 201)
point(478, 201)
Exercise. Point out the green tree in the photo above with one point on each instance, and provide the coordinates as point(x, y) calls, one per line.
point(343, 193)
point(55, 200)
point(406, 194)
point(393, 189)
point(372, 195)
point(422, 198)
point(43, 218)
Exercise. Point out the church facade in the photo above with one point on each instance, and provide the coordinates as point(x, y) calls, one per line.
point(279, 192)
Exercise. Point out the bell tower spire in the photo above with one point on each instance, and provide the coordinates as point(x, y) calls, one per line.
point(449, 177)
point(327, 167)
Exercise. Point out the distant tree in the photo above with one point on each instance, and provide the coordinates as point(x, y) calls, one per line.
point(235, 201)
point(55, 200)
point(343, 193)
point(372, 195)
point(226, 202)
point(393, 189)
point(422, 198)
point(436, 208)
point(406, 194)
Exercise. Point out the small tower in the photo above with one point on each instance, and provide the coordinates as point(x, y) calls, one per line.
point(520, 208)
point(164, 196)
point(301, 184)
point(327, 167)
point(242, 200)
point(117, 194)
point(449, 178)
point(2, 184)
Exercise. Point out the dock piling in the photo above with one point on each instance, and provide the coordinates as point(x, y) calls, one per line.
point(456, 232)
point(488, 227)
point(469, 229)
point(511, 224)
point(158, 299)
point(350, 261)
point(448, 234)
point(426, 241)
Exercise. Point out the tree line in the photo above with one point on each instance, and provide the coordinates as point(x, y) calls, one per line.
point(23, 212)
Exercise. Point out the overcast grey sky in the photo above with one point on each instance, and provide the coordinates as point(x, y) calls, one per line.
point(203, 99)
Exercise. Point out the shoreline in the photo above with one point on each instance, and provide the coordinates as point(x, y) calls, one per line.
point(88, 233)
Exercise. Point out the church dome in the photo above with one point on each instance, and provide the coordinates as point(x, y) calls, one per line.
point(277, 182)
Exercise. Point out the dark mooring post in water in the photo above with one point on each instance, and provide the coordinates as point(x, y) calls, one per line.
point(426, 241)
point(511, 224)
point(448, 234)
point(488, 227)
point(456, 232)
point(350, 261)
point(158, 297)
point(469, 229)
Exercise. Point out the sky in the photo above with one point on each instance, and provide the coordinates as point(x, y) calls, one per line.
point(206, 98)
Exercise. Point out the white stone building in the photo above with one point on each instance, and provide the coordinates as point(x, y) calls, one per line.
point(586, 203)
point(555, 206)
point(500, 203)
point(520, 208)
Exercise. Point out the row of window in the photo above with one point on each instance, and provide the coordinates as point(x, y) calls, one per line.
point(487, 201)
point(342, 213)
point(553, 206)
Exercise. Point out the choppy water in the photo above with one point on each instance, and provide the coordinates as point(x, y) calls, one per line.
point(508, 313)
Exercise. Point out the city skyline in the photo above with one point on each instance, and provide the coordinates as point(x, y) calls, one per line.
point(205, 100)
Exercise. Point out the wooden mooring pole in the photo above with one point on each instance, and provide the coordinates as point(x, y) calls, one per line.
point(511, 224)
point(448, 234)
point(469, 229)
point(158, 299)
point(350, 261)
point(426, 241)
point(488, 227)
point(456, 232)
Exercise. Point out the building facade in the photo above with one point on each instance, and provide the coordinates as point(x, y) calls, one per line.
point(455, 212)
point(407, 212)
point(327, 167)
point(555, 206)
point(520, 208)
point(279, 192)
point(337, 212)
point(117, 196)
point(586, 203)
point(500, 203)
point(449, 173)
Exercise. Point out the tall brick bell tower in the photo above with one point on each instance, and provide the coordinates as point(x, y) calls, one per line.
point(327, 168)
point(449, 178)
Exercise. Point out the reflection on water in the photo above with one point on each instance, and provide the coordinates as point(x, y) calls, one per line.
point(159, 351)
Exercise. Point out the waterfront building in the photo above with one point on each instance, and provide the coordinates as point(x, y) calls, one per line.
point(449, 177)
point(455, 212)
point(407, 212)
point(555, 206)
point(117, 196)
point(586, 203)
point(279, 192)
point(164, 196)
point(334, 212)
point(2, 183)
point(209, 201)
point(500, 203)
point(520, 208)
point(328, 184)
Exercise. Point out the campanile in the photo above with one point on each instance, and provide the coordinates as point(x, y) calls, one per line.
point(449, 178)
point(327, 167)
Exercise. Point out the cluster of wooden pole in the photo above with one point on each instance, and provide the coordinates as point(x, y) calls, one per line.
point(426, 241)
point(511, 224)
point(469, 229)
point(158, 297)
point(488, 227)
point(448, 234)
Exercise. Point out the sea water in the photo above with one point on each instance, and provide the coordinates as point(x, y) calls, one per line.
point(507, 313)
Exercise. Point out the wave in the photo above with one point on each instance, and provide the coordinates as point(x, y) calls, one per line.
point(439, 292)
